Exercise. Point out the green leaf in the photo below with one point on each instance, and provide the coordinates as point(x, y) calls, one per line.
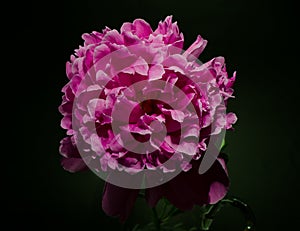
point(193, 229)
point(222, 144)
point(136, 228)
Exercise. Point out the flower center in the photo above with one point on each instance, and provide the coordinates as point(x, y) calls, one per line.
point(148, 106)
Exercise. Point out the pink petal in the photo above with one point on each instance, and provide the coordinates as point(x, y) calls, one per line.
point(156, 72)
point(175, 114)
point(231, 119)
point(142, 28)
point(141, 66)
point(95, 106)
point(126, 27)
point(92, 38)
point(130, 38)
point(69, 70)
point(96, 144)
point(217, 192)
point(175, 62)
point(100, 51)
point(67, 147)
point(189, 148)
point(195, 49)
point(66, 122)
point(113, 36)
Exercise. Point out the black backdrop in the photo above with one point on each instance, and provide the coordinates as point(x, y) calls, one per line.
point(257, 38)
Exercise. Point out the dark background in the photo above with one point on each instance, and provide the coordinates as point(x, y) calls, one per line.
point(257, 38)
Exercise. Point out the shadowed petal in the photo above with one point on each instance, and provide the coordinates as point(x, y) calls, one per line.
point(67, 147)
point(73, 164)
point(153, 195)
point(216, 192)
point(190, 188)
point(117, 201)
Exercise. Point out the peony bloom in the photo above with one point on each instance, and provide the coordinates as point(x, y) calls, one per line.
point(136, 102)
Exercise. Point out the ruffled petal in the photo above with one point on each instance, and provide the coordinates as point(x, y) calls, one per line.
point(231, 119)
point(139, 27)
point(67, 147)
point(142, 28)
point(195, 49)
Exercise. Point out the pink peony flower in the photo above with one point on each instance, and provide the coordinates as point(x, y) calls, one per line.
point(140, 111)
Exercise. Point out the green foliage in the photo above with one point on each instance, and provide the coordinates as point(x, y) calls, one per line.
point(164, 227)
point(222, 144)
point(166, 211)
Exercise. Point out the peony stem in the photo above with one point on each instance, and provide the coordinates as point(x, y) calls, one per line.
point(245, 209)
point(209, 215)
point(156, 219)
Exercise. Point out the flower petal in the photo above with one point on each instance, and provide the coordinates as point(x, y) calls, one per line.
point(190, 188)
point(67, 147)
point(230, 120)
point(156, 72)
point(117, 201)
point(142, 28)
point(153, 195)
point(73, 164)
point(195, 49)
